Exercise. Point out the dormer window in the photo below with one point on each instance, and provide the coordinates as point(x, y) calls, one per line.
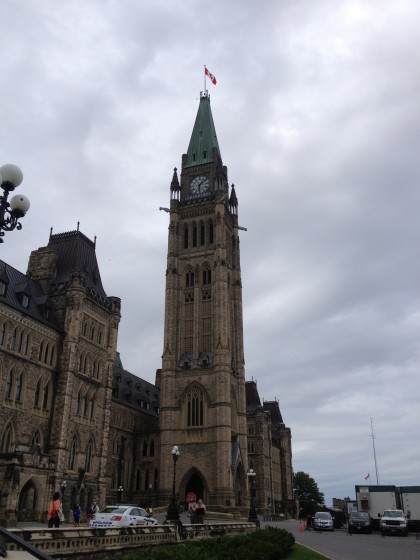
point(25, 301)
point(3, 288)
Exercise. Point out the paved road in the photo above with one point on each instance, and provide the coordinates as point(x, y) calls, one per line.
point(338, 545)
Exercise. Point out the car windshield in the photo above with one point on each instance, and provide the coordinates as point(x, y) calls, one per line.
point(359, 515)
point(114, 509)
point(393, 513)
point(323, 515)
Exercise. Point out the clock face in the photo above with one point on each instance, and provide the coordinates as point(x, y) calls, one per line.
point(199, 185)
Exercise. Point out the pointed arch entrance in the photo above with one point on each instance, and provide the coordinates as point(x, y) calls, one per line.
point(28, 501)
point(195, 484)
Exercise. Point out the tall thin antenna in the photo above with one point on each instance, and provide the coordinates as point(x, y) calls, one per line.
point(374, 451)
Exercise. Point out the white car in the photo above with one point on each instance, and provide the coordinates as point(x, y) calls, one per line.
point(122, 516)
point(323, 521)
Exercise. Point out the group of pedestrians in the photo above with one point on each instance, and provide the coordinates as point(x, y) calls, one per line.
point(56, 515)
point(197, 511)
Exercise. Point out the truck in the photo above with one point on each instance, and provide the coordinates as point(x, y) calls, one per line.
point(378, 499)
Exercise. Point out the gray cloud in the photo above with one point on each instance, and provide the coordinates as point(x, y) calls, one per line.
point(317, 114)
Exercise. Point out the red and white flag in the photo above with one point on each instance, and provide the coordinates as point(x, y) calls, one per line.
point(211, 76)
point(368, 476)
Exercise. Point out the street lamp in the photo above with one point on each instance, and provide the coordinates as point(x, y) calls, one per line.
point(120, 494)
point(150, 499)
point(252, 516)
point(63, 489)
point(173, 511)
point(10, 212)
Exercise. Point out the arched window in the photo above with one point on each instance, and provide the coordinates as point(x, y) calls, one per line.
point(211, 234)
point(26, 345)
point(91, 407)
point(72, 454)
point(9, 385)
point(189, 279)
point(20, 341)
point(89, 457)
point(145, 449)
point(99, 337)
point(52, 356)
point(186, 237)
point(202, 234)
point(84, 328)
point(46, 394)
point(19, 386)
point(41, 351)
point(78, 402)
point(84, 405)
point(13, 340)
point(46, 352)
point(6, 440)
point(194, 235)
point(195, 408)
point(206, 275)
point(2, 333)
point(37, 393)
point(152, 448)
point(146, 480)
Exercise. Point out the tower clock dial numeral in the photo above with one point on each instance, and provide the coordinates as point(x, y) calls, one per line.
point(199, 185)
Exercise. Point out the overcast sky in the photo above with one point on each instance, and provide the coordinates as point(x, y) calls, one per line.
point(317, 111)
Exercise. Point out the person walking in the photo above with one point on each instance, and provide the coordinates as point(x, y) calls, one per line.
point(76, 515)
point(54, 511)
point(200, 511)
point(191, 511)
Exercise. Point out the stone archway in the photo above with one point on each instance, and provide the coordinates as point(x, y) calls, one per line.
point(28, 502)
point(195, 484)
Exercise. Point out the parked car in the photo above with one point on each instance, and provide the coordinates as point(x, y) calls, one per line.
point(394, 521)
point(323, 520)
point(359, 522)
point(122, 516)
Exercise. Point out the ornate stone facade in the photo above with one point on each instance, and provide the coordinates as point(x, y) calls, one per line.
point(73, 419)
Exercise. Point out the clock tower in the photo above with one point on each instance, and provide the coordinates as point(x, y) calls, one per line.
point(202, 381)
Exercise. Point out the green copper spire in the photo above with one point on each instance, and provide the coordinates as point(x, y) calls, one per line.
point(203, 138)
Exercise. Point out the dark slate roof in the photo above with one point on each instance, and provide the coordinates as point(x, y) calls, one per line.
point(252, 396)
point(130, 390)
point(76, 253)
point(203, 138)
point(273, 408)
point(18, 284)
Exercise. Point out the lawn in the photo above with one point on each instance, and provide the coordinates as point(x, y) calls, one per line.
point(301, 552)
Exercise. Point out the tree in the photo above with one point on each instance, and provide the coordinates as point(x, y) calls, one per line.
point(307, 492)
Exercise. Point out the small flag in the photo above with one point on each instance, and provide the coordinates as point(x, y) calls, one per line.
point(368, 476)
point(211, 76)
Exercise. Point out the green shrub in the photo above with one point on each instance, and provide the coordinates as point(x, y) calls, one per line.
point(269, 543)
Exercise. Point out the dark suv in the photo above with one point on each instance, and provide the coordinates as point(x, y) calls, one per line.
point(359, 522)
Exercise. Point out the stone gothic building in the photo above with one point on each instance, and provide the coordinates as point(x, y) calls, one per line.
point(73, 419)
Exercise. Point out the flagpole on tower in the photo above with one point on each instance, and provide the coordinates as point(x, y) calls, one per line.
point(204, 78)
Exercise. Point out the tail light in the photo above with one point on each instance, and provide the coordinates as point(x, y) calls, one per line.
point(116, 518)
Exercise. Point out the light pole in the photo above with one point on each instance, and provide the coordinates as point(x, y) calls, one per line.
point(10, 212)
point(150, 499)
point(63, 489)
point(120, 494)
point(173, 511)
point(252, 516)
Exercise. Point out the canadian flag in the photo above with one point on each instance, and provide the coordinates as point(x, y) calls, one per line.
point(211, 76)
point(368, 476)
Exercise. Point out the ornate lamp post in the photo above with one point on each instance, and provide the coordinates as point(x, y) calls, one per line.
point(252, 516)
point(63, 489)
point(150, 499)
point(120, 494)
point(173, 511)
point(10, 212)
